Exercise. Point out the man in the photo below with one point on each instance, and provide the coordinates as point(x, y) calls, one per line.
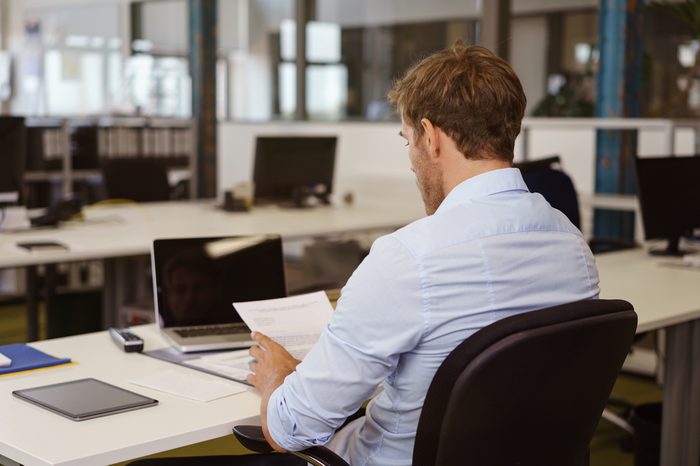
point(488, 249)
point(191, 289)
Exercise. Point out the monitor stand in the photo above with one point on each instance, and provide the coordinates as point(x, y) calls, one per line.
point(671, 249)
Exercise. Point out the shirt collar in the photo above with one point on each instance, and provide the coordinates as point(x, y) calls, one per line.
point(486, 184)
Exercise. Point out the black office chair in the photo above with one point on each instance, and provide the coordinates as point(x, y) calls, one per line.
point(140, 179)
point(527, 390)
point(542, 176)
point(545, 176)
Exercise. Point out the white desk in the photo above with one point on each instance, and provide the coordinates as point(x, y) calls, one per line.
point(665, 296)
point(128, 230)
point(34, 436)
point(112, 233)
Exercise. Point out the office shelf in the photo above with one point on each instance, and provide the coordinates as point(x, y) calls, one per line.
point(63, 152)
point(39, 176)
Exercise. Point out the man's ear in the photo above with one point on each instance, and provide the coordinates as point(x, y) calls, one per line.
point(432, 140)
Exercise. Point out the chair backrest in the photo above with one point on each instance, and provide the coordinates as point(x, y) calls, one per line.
point(139, 179)
point(527, 390)
point(553, 184)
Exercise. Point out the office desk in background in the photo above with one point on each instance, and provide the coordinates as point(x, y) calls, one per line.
point(33, 436)
point(112, 233)
point(665, 295)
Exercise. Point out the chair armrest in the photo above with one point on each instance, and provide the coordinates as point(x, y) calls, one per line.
point(252, 438)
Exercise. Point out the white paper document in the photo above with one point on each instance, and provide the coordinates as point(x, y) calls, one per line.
point(192, 386)
point(233, 364)
point(295, 322)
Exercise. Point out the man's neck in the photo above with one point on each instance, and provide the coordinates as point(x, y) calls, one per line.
point(463, 170)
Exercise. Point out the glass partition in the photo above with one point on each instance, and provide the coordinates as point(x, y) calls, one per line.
point(82, 59)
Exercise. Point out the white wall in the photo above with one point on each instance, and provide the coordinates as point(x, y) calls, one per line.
point(166, 24)
point(373, 12)
point(541, 6)
point(371, 155)
point(528, 56)
point(372, 161)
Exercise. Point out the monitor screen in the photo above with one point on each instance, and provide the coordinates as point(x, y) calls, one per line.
point(284, 165)
point(12, 157)
point(669, 196)
point(198, 279)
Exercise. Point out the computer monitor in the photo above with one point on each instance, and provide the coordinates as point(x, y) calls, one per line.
point(13, 140)
point(669, 196)
point(290, 166)
point(140, 179)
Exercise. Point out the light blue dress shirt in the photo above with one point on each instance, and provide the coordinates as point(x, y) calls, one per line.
point(491, 250)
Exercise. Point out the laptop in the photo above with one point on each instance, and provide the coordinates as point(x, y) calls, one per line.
point(196, 280)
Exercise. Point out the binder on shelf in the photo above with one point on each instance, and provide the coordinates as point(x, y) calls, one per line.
point(26, 358)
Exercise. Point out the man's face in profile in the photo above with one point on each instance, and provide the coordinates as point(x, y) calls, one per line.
point(190, 293)
point(428, 175)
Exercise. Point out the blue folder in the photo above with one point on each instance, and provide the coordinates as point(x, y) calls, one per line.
point(25, 358)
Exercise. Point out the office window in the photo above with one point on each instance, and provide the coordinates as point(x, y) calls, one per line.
point(80, 78)
point(355, 51)
point(568, 82)
point(243, 69)
point(670, 70)
point(115, 77)
point(63, 66)
point(326, 77)
point(669, 84)
point(158, 86)
point(351, 68)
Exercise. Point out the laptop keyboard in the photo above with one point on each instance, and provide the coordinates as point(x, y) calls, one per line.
point(225, 329)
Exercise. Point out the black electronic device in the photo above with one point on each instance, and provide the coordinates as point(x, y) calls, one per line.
point(294, 170)
point(669, 197)
point(13, 138)
point(43, 246)
point(126, 340)
point(58, 212)
point(84, 145)
point(140, 179)
point(196, 280)
point(84, 399)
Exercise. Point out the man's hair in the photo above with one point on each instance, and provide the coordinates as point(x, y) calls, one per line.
point(469, 93)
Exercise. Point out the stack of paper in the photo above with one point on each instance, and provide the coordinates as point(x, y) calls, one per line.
point(233, 364)
point(192, 386)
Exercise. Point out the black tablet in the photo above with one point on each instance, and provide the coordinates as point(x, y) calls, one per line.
point(84, 399)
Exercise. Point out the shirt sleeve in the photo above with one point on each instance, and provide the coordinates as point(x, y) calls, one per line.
point(379, 316)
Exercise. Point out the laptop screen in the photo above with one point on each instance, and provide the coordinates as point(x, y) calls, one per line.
point(197, 279)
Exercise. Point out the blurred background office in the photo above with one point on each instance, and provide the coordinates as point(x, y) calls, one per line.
point(139, 101)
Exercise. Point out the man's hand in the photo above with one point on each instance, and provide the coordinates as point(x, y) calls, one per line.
point(272, 364)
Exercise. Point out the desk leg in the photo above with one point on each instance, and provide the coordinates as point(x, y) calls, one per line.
point(4, 460)
point(116, 275)
point(32, 294)
point(110, 306)
point(50, 279)
point(680, 433)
